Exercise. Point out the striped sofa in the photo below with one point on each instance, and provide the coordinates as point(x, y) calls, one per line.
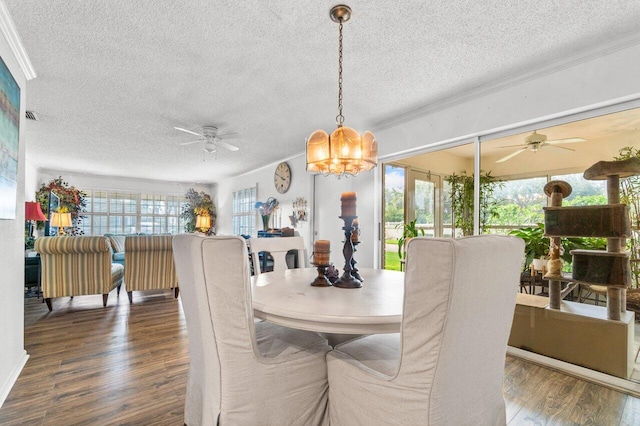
point(150, 265)
point(74, 266)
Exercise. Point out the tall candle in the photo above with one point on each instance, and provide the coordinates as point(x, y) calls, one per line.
point(348, 200)
point(321, 250)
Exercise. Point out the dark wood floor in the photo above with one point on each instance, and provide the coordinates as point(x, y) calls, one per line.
point(128, 365)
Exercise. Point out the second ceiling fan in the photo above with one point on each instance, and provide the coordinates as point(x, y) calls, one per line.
point(211, 138)
point(536, 141)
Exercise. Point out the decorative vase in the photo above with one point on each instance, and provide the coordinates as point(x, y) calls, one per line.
point(265, 222)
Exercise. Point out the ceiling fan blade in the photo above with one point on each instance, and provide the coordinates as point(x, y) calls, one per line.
point(513, 154)
point(191, 142)
point(559, 147)
point(230, 135)
point(514, 146)
point(568, 140)
point(228, 146)
point(187, 131)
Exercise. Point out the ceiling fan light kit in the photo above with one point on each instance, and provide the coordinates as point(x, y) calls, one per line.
point(344, 152)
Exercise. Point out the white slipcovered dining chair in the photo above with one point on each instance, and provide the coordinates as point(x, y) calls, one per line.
point(446, 366)
point(242, 373)
point(278, 248)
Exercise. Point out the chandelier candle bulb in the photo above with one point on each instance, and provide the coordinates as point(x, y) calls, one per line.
point(348, 200)
point(321, 252)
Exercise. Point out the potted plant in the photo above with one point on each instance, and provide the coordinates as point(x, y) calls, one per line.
point(536, 245)
point(409, 230)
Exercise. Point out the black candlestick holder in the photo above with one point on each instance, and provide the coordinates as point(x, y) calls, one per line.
point(348, 280)
point(354, 270)
point(321, 280)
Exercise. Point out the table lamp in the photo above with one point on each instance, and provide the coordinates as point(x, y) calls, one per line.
point(61, 220)
point(33, 212)
point(203, 223)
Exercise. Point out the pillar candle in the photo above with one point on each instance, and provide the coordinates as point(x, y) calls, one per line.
point(321, 250)
point(348, 200)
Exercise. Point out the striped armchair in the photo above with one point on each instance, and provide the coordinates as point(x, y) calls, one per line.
point(150, 266)
point(74, 266)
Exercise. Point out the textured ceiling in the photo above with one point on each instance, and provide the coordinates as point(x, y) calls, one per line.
point(115, 76)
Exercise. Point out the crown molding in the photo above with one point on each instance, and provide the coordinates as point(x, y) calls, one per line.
point(9, 32)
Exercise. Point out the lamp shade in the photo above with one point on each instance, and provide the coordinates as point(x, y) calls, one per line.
point(203, 222)
point(32, 211)
point(61, 220)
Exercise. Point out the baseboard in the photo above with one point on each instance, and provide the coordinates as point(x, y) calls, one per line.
point(8, 385)
point(616, 383)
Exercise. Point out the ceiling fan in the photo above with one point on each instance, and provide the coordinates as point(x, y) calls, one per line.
point(536, 141)
point(211, 138)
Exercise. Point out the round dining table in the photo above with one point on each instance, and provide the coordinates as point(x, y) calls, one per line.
point(288, 299)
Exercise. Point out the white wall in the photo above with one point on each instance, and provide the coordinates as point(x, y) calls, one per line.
point(30, 181)
point(12, 353)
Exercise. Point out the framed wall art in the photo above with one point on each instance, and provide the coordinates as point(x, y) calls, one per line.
point(9, 141)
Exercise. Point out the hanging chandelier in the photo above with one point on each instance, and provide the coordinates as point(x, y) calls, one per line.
point(345, 152)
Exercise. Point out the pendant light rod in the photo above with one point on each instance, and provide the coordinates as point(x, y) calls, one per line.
point(340, 14)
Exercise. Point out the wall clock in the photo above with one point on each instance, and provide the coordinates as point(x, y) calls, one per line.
point(282, 177)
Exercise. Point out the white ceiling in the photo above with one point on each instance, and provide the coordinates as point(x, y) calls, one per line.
point(115, 76)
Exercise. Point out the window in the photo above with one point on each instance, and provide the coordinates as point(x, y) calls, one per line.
point(244, 216)
point(120, 212)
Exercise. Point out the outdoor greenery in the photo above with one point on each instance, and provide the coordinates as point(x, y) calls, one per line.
point(198, 203)
point(72, 200)
point(462, 200)
point(391, 260)
point(394, 205)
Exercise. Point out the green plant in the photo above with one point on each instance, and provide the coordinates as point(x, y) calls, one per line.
point(536, 245)
point(409, 230)
point(462, 200)
point(198, 203)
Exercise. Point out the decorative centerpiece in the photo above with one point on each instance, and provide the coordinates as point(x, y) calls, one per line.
point(348, 280)
point(321, 253)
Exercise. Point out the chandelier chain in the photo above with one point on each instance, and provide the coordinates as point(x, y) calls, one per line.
point(340, 117)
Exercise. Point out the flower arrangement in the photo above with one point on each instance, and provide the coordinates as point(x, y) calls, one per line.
point(265, 209)
point(72, 200)
point(198, 204)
